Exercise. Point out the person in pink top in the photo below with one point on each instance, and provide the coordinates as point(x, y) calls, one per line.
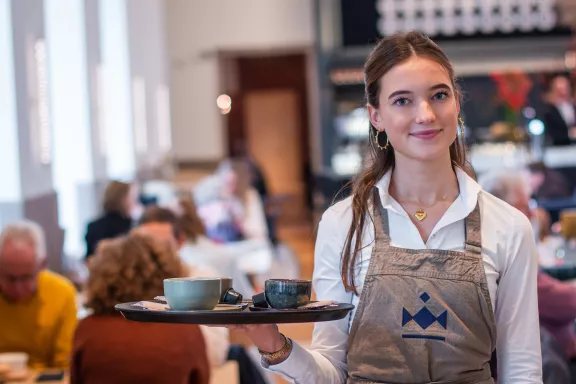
point(557, 306)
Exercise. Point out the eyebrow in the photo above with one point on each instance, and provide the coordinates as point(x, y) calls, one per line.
point(432, 88)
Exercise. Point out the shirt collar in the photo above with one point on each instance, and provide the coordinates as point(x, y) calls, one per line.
point(466, 202)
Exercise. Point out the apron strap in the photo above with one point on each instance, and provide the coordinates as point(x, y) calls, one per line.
point(473, 242)
point(381, 229)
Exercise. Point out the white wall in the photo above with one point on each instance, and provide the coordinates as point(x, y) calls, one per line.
point(148, 61)
point(196, 31)
point(94, 70)
point(71, 124)
point(116, 90)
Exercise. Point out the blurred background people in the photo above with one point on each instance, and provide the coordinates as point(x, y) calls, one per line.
point(203, 258)
point(547, 183)
point(556, 299)
point(560, 119)
point(37, 307)
point(163, 225)
point(234, 212)
point(234, 215)
point(117, 206)
point(109, 349)
point(199, 250)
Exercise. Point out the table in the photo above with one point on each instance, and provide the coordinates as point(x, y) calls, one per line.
point(31, 379)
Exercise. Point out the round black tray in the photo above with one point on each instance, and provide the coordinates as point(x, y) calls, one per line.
point(245, 316)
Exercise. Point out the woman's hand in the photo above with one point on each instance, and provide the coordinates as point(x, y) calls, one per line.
point(266, 337)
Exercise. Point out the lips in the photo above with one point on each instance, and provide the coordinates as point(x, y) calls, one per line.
point(427, 134)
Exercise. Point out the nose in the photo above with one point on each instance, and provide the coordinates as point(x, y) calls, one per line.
point(425, 113)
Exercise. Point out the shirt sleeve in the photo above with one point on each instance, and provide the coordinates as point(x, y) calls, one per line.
point(518, 344)
point(325, 362)
point(65, 335)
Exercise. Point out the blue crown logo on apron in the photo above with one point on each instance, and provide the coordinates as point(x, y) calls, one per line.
point(424, 318)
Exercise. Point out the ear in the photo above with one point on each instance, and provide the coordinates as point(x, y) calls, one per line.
point(458, 106)
point(375, 117)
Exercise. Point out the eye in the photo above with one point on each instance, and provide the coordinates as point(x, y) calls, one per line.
point(442, 95)
point(401, 101)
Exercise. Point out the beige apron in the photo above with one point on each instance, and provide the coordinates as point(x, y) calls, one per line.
point(424, 316)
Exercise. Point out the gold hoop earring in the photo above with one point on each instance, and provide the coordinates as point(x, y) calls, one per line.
point(378, 143)
point(460, 126)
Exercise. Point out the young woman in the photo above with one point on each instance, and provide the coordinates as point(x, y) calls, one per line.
point(441, 272)
point(118, 203)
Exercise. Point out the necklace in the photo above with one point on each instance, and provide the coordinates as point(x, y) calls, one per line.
point(421, 214)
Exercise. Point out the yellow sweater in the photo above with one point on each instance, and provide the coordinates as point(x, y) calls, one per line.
point(43, 326)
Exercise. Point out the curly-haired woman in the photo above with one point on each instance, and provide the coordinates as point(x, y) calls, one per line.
point(108, 348)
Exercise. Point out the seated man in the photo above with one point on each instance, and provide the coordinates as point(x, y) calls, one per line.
point(37, 307)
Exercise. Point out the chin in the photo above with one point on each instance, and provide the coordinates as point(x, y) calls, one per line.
point(428, 153)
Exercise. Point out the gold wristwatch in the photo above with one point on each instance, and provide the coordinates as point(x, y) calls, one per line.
point(270, 358)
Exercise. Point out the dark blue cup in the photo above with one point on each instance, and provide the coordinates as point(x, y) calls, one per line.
point(286, 293)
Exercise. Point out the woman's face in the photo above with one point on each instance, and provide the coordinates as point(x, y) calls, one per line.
point(131, 203)
point(230, 183)
point(418, 109)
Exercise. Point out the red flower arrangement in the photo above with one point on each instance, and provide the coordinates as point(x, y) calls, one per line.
point(513, 89)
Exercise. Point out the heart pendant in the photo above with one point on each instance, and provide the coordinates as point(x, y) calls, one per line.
point(420, 215)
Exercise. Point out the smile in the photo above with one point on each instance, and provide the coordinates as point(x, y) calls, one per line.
point(428, 134)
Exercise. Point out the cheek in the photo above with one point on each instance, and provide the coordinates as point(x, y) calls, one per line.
point(396, 122)
point(449, 118)
point(32, 285)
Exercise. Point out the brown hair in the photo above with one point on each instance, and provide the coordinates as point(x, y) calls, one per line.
point(388, 53)
point(130, 268)
point(115, 197)
point(189, 221)
point(156, 214)
point(537, 167)
point(545, 223)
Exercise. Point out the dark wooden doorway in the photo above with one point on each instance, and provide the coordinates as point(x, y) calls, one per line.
point(269, 117)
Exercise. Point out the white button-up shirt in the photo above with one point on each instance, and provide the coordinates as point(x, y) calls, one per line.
point(510, 262)
point(568, 113)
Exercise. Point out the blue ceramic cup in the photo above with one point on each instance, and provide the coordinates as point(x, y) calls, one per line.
point(186, 293)
point(286, 293)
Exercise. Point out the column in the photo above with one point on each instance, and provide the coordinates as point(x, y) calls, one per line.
point(116, 90)
point(148, 66)
point(72, 166)
point(33, 120)
point(11, 191)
